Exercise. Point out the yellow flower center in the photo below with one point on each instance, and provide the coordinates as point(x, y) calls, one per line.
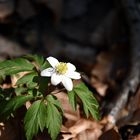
point(62, 68)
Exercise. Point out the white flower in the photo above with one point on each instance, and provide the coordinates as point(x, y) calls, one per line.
point(61, 72)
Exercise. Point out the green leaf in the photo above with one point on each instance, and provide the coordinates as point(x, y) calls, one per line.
point(52, 99)
point(2, 77)
point(39, 60)
point(54, 117)
point(28, 79)
point(35, 119)
point(20, 90)
point(43, 84)
point(90, 104)
point(13, 104)
point(9, 67)
point(72, 99)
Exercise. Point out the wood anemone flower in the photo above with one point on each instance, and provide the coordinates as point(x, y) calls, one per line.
point(61, 72)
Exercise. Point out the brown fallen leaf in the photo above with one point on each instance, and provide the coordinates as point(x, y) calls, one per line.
point(134, 137)
point(94, 134)
point(110, 134)
point(71, 115)
point(84, 124)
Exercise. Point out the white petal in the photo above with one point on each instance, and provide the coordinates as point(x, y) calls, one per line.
point(53, 61)
point(47, 72)
point(56, 79)
point(71, 67)
point(67, 83)
point(73, 75)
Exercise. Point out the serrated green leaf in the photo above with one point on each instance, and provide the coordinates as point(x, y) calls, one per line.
point(16, 102)
point(9, 67)
point(28, 79)
point(13, 104)
point(39, 60)
point(90, 104)
point(52, 99)
point(35, 119)
point(45, 65)
point(54, 117)
point(72, 99)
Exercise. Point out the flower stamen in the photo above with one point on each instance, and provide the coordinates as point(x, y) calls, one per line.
point(62, 68)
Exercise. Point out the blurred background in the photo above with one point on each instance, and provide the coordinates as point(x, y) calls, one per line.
point(74, 30)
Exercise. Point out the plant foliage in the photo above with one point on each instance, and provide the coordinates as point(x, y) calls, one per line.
point(90, 104)
point(45, 111)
